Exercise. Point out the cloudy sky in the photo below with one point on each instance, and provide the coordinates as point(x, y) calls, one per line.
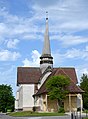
point(22, 27)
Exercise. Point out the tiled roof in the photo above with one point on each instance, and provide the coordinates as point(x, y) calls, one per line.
point(72, 88)
point(28, 75)
point(31, 75)
point(70, 72)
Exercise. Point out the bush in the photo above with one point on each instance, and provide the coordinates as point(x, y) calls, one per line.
point(79, 109)
point(34, 109)
point(61, 110)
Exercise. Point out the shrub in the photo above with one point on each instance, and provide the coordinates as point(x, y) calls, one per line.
point(61, 110)
point(34, 109)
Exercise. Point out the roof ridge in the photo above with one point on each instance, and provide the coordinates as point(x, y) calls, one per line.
point(64, 67)
point(29, 67)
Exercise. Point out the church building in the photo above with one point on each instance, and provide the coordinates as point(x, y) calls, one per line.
point(31, 82)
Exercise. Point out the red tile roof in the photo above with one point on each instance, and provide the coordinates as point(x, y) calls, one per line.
point(31, 75)
point(70, 72)
point(72, 88)
point(28, 75)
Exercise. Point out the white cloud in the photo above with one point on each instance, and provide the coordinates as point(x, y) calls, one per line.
point(73, 53)
point(70, 54)
point(77, 53)
point(35, 59)
point(64, 17)
point(85, 71)
point(33, 36)
point(26, 62)
point(69, 40)
point(6, 55)
point(57, 58)
point(3, 31)
point(73, 40)
point(14, 26)
point(87, 48)
point(7, 71)
point(2, 28)
point(8, 18)
point(82, 69)
point(45, 3)
point(74, 25)
point(12, 43)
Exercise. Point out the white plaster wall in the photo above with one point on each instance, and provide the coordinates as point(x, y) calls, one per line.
point(20, 101)
point(28, 91)
point(16, 104)
point(16, 100)
point(17, 95)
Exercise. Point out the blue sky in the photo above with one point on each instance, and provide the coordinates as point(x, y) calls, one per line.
point(22, 27)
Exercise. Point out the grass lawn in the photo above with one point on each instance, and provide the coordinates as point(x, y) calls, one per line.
point(28, 113)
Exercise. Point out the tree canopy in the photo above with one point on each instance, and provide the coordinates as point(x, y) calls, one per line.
point(6, 98)
point(84, 86)
point(57, 87)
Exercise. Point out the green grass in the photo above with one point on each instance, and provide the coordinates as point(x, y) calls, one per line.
point(85, 111)
point(28, 113)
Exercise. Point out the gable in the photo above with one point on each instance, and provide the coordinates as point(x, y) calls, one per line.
point(70, 72)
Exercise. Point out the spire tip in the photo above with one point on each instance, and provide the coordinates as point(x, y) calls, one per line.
point(46, 15)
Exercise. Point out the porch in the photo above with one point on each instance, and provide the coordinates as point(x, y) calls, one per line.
point(70, 103)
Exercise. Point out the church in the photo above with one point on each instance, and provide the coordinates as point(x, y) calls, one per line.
point(31, 82)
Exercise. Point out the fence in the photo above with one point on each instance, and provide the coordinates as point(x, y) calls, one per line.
point(78, 115)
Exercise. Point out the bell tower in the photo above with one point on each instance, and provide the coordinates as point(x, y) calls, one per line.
point(46, 60)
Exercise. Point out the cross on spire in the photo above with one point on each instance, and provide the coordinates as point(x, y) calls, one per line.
point(46, 15)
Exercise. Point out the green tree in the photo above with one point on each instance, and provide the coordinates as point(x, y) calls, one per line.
point(84, 86)
point(6, 98)
point(57, 88)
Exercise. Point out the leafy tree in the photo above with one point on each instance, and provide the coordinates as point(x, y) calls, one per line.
point(6, 98)
point(84, 86)
point(57, 88)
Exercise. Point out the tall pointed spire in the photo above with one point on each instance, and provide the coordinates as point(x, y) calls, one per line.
point(46, 47)
point(46, 58)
